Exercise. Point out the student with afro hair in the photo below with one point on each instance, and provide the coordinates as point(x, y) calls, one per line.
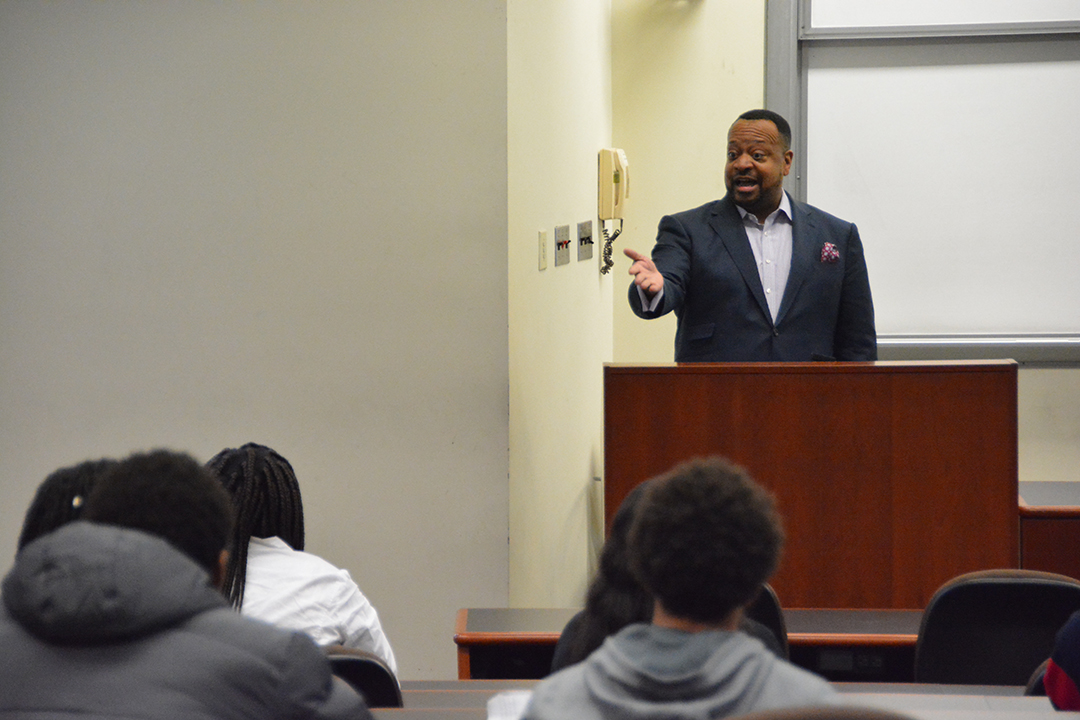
point(703, 541)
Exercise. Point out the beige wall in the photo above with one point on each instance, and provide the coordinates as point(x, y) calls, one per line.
point(678, 71)
point(681, 73)
point(278, 222)
point(1049, 420)
point(559, 116)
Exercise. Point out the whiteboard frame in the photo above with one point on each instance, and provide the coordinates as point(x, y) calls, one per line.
point(789, 38)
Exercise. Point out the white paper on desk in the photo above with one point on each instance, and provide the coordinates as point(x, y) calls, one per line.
point(508, 705)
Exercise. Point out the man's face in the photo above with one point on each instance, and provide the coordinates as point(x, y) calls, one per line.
point(756, 166)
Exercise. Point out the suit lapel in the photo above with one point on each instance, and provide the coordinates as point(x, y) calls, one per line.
point(727, 224)
point(803, 236)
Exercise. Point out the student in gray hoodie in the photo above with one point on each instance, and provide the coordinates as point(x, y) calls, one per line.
point(705, 539)
point(118, 615)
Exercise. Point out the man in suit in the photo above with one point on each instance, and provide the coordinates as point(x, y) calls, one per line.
point(756, 275)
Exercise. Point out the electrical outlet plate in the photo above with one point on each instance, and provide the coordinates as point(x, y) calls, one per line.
point(542, 238)
point(562, 245)
point(584, 240)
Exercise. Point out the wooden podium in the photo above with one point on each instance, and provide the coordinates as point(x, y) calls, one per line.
point(891, 477)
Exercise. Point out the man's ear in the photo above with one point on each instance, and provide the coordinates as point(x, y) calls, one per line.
point(218, 577)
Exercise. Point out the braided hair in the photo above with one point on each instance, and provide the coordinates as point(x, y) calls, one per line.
point(60, 498)
point(266, 498)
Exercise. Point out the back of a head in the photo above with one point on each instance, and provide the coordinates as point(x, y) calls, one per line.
point(266, 498)
point(615, 598)
point(61, 498)
point(170, 495)
point(704, 540)
point(265, 492)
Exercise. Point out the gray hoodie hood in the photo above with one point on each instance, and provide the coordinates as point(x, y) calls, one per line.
point(721, 671)
point(86, 584)
point(648, 672)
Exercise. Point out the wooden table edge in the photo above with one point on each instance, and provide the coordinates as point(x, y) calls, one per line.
point(847, 639)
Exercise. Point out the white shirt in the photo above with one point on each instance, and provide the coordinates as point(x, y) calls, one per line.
point(771, 243)
point(300, 591)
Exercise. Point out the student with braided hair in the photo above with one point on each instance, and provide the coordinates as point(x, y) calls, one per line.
point(270, 577)
point(119, 614)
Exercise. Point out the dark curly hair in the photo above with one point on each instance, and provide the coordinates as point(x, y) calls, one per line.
point(266, 497)
point(61, 498)
point(170, 495)
point(704, 540)
point(615, 598)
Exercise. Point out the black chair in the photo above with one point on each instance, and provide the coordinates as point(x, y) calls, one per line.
point(368, 674)
point(765, 609)
point(1035, 685)
point(992, 627)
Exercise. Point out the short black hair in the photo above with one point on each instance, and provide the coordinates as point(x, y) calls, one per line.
point(61, 498)
point(704, 540)
point(170, 495)
point(775, 118)
point(266, 498)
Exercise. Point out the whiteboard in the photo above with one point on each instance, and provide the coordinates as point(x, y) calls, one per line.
point(861, 13)
point(958, 162)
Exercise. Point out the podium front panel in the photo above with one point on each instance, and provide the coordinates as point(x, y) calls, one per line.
point(891, 477)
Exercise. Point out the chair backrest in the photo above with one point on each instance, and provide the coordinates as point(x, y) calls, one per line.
point(766, 610)
point(368, 674)
point(1035, 685)
point(992, 627)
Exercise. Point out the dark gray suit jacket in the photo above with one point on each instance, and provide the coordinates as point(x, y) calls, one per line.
point(711, 281)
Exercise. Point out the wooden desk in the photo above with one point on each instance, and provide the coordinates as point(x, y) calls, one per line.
point(842, 628)
point(433, 700)
point(507, 643)
point(849, 645)
point(475, 693)
point(1050, 527)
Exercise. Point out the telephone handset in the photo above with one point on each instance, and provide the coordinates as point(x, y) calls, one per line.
point(614, 184)
point(612, 191)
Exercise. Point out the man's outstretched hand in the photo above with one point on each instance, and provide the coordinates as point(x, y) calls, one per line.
point(646, 276)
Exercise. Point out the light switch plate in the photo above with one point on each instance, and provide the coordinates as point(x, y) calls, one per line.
point(542, 237)
point(584, 240)
point(562, 245)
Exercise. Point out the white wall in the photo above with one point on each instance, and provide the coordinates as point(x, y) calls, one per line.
point(682, 72)
point(559, 116)
point(1049, 424)
point(276, 222)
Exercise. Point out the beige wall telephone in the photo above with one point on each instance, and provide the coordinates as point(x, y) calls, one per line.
point(613, 187)
point(614, 184)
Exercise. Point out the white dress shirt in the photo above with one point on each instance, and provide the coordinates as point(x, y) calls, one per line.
point(771, 243)
point(300, 591)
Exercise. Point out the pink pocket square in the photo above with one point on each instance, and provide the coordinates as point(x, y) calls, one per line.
point(829, 253)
